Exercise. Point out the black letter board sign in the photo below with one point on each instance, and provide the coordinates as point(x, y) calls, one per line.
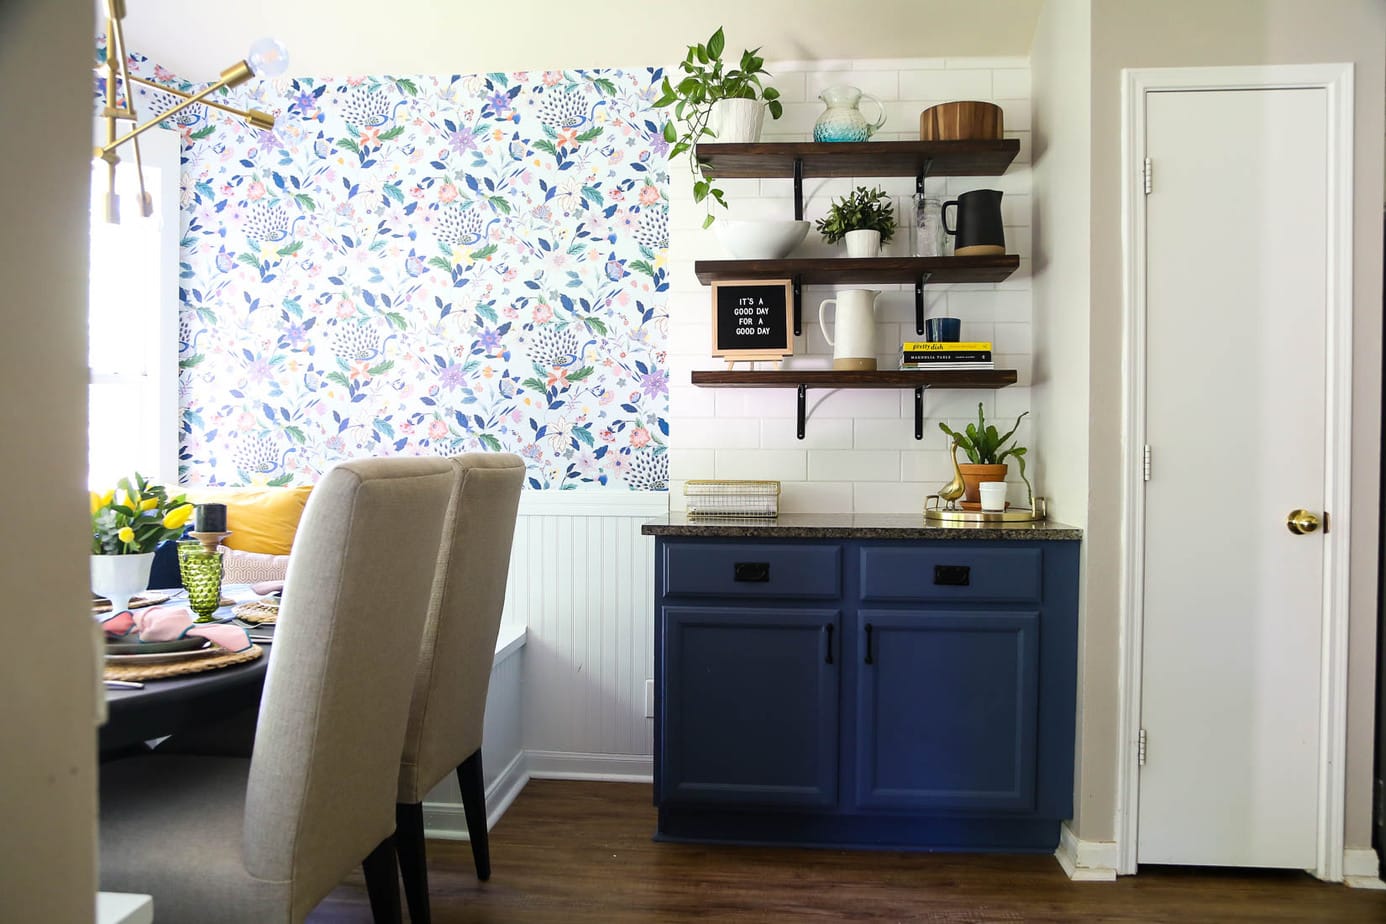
point(751, 319)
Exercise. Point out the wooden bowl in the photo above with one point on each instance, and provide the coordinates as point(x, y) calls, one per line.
point(957, 121)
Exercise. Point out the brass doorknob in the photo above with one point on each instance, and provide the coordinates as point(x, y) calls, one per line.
point(1301, 522)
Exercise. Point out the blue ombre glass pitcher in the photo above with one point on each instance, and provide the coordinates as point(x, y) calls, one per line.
point(842, 120)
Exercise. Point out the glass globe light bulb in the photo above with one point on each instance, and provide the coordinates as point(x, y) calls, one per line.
point(268, 58)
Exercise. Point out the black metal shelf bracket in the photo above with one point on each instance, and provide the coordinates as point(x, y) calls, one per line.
point(919, 411)
point(798, 190)
point(803, 408)
point(919, 285)
point(798, 305)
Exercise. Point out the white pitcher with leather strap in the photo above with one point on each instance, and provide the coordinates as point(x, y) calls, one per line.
point(854, 322)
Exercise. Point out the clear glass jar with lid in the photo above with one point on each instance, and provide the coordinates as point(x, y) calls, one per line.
point(926, 227)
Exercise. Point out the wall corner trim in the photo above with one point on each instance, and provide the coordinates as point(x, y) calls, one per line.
point(1362, 868)
point(446, 820)
point(1086, 861)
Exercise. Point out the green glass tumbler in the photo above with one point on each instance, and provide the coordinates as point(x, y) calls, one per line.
point(201, 573)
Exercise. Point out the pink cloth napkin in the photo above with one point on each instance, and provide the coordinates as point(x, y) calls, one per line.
point(167, 623)
point(265, 588)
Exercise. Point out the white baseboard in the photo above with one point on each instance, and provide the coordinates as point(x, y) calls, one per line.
point(1361, 869)
point(1086, 861)
point(446, 820)
point(616, 768)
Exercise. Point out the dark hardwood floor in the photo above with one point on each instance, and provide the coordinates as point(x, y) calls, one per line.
point(581, 852)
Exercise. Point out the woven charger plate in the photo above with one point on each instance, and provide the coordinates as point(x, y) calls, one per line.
point(257, 612)
point(207, 662)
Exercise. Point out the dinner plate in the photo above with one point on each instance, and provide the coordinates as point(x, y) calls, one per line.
point(164, 656)
point(124, 646)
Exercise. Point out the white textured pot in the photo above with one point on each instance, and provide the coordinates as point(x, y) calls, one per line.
point(863, 243)
point(120, 577)
point(737, 120)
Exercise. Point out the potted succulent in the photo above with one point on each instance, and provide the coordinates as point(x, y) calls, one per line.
point(865, 218)
point(987, 451)
point(711, 101)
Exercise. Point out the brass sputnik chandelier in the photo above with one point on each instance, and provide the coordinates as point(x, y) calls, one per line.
point(267, 58)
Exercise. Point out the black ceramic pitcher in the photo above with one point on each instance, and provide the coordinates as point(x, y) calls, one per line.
point(978, 230)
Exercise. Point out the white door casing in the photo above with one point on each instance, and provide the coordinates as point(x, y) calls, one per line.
point(1157, 310)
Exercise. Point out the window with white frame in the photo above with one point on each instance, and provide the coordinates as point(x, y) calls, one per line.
point(132, 422)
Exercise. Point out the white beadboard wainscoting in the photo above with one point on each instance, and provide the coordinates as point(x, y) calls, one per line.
point(567, 695)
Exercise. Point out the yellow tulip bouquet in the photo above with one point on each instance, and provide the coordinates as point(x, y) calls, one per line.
point(136, 516)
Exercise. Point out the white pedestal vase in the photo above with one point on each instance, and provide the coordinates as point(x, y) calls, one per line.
point(120, 577)
point(863, 243)
point(737, 120)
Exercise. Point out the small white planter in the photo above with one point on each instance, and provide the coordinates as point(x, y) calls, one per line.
point(863, 243)
point(737, 120)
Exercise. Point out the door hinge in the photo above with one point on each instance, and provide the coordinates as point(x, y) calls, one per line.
point(1145, 464)
point(1140, 750)
point(1148, 172)
point(1380, 803)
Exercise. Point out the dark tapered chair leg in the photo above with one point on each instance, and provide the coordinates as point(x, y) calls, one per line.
point(382, 882)
point(413, 862)
point(469, 780)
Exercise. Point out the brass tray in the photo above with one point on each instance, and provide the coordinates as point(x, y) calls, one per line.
point(933, 510)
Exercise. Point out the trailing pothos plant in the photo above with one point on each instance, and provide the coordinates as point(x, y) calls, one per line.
point(706, 82)
point(985, 445)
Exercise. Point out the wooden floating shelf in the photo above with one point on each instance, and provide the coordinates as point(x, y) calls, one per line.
point(836, 270)
point(981, 157)
point(823, 378)
point(829, 378)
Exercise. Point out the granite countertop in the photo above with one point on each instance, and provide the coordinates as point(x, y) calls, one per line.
point(852, 526)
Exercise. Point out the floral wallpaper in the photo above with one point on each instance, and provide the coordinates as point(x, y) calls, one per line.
point(427, 265)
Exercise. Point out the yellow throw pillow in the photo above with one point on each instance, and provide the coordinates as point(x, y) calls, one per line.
point(260, 519)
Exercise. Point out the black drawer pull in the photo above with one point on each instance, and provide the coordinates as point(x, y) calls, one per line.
point(868, 644)
point(829, 658)
point(751, 572)
point(953, 575)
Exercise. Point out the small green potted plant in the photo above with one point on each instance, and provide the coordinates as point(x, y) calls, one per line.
point(712, 101)
point(865, 218)
point(987, 451)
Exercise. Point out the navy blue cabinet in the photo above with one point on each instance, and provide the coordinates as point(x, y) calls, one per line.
point(750, 706)
point(866, 693)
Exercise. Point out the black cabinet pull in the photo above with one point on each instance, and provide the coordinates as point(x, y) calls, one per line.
point(828, 659)
point(868, 644)
point(953, 575)
point(751, 572)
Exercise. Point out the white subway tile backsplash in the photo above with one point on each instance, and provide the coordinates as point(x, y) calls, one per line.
point(762, 464)
point(854, 465)
point(859, 454)
point(947, 84)
point(816, 497)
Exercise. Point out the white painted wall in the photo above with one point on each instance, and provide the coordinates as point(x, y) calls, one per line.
point(437, 37)
point(859, 454)
point(1061, 74)
point(47, 727)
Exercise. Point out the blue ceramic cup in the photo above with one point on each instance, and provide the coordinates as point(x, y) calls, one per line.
point(942, 330)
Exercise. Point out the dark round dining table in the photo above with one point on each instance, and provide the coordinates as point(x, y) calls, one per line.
point(164, 707)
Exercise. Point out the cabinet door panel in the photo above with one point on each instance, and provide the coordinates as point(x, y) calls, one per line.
point(947, 709)
point(749, 711)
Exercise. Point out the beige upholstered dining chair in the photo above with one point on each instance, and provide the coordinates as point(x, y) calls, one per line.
point(264, 839)
point(454, 670)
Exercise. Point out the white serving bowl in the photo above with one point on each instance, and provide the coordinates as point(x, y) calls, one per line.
point(760, 240)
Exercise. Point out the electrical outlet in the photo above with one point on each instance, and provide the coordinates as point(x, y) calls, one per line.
point(649, 699)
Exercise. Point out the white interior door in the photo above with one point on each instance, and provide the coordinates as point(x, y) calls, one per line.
point(1236, 313)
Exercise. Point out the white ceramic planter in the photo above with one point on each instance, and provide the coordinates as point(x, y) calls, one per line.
point(120, 577)
point(737, 120)
point(863, 243)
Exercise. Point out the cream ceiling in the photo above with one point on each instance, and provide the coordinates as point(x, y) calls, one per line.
point(338, 37)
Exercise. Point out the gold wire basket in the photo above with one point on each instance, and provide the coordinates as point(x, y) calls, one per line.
point(712, 498)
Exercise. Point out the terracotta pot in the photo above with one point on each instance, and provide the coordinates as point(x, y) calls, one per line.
point(974, 474)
